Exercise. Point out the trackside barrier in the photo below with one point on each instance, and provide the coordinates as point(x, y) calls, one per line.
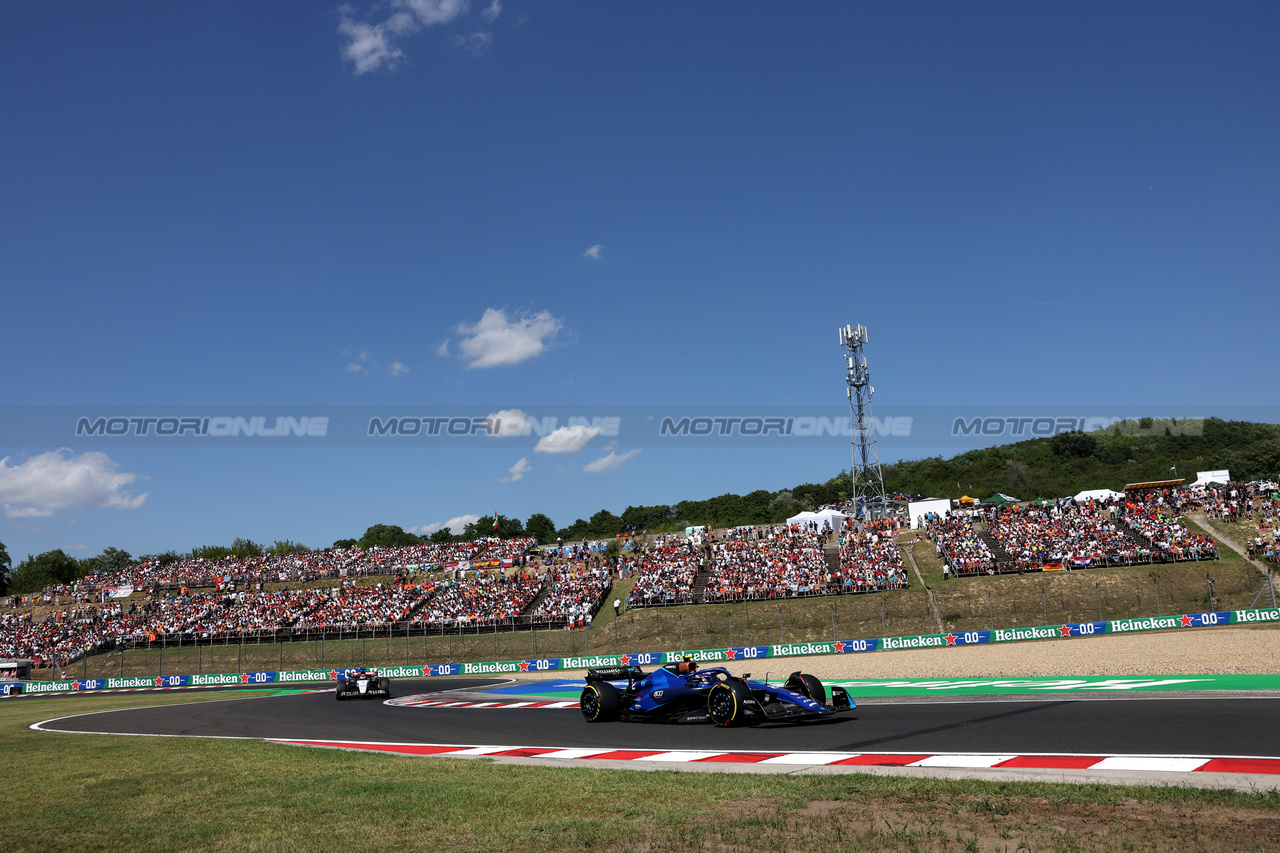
point(1218, 618)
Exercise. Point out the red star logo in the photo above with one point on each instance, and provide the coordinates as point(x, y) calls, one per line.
point(1186, 621)
point(75, 685)
point(159, 682)
point(839, 647)
point(1064, 631)
point(624, 660)
point(951, 639)
point(333, 675)
point(244, 678)
point(730, 654)
point(524, 666)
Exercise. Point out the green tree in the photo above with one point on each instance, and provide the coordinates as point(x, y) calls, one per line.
point(6, 562)
point(604, 524)
point(210, 552)
point(283, 548)
point(483, 528)
point(1073, 445)
point(246, 548)
point(51, 567)
point(344, 543)
point(387, 536)
point(443, 536)
point(541, 528)
point(164, 558)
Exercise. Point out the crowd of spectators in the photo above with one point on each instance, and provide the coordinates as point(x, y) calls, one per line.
point(495, 599)
point(572, 595)
point(1071, 536)
point(667, 575)
point(870, 560)
point(959, 542)
point(1152, 515)
point(766, 563)
point(291, 568)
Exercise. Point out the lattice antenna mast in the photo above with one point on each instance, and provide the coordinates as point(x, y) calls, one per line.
point(868, 480)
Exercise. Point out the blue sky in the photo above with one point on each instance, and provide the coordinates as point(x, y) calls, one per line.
point(511, 205)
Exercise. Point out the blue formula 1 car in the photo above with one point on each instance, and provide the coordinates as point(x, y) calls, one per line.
point(682, 693)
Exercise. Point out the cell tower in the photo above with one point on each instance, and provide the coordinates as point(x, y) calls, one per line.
point(868, 481)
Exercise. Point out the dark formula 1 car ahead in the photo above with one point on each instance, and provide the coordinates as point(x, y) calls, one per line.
point(681, 693)
point(362, 683)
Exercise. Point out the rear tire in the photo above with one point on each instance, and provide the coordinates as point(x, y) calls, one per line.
point(600, 702)
point(726, 703)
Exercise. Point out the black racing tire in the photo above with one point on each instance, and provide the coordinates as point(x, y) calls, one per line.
point(340, 693)
point(600, 702)
point(813, 688)
point(384, 684)
point(726, 703)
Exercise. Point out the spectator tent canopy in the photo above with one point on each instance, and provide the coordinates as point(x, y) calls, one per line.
point(917, 510)
point(834, 517)
point(1155, 484)
point(1098, 495)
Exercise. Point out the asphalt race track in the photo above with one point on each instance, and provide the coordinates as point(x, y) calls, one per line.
point(1130, 726)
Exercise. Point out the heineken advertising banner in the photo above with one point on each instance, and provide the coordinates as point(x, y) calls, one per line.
point(736, 654)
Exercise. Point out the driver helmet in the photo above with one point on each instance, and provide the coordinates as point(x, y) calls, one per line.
point(687, 666)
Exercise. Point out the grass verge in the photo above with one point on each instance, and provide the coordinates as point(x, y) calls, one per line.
point(94, 792)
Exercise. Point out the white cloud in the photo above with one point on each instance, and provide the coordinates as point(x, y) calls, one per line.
point(517, 471)
point(399, 367)
point(443, 349)
point(474, 44)
point(491, 12)
point(510, 422)
point(608, 462)
point(566, 440)
point(57, 480)
point(370, 46)
point(594, 252)
point(499, 339)
point(456, 525)
point(359, 364)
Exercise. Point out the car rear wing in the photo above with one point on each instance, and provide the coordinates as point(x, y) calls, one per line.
point(630, 674)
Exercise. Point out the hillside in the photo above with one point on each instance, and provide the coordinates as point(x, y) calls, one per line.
point(1049, 467)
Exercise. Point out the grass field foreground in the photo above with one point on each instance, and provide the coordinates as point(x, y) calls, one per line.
point(96, 792)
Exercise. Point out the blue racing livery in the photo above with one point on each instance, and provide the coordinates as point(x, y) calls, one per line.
point(683, 693)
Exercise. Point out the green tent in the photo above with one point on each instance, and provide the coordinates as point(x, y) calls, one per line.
point(999, 499)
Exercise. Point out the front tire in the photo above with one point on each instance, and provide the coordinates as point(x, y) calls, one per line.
point(384, 684)
point(726, 703)
point(339, 694)
point(600, 702)
point(809, 686)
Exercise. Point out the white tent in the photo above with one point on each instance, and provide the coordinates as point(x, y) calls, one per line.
point(832, 517)
point(1098, 495)
point(1204, 478)
point(917, 510)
